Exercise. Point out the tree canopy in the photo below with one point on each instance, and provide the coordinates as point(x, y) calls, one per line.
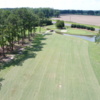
point(20, 23)
point(60, 24)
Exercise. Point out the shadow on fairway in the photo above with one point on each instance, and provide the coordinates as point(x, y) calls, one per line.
point(1, 79)
point(29, 52)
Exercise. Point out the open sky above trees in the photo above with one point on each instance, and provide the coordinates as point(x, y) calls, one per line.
point(57, 4)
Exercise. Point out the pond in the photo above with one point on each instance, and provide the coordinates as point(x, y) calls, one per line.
point(89, 38)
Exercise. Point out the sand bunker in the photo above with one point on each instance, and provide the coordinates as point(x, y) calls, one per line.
point(60, 85)
point(63, 30)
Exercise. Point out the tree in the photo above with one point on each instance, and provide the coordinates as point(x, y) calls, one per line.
point(2, 39)
point(3, 16)
point(60, 24)
point(41, 19)
point(97, 38)
point(12, 24)
point(56, 13)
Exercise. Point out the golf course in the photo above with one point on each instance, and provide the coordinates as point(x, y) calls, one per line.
point(66, 68)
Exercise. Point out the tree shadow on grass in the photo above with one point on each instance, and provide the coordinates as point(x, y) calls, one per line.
point(28, 52)
point(1, 79)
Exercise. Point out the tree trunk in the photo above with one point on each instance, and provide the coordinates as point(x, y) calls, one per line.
point(18, 38)
point(22, 36)
point(3, 51)
point(12, 44)
point(28, 35)
point(40, 29)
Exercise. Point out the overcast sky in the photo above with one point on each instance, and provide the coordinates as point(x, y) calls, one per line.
point(57, 4)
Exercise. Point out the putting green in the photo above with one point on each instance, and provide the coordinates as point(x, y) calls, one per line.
point(61, 71)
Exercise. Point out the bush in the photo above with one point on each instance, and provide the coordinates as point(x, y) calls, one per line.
point(73, 25)
point(47, 22)
point(92, 29)
point(83, 27)
point(60, 24)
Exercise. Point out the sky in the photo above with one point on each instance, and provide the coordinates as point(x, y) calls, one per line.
point(56, 4)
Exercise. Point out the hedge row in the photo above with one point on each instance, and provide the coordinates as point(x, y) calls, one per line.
point(82, 27)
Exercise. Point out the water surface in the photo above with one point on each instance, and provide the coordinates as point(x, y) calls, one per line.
point(89, 38)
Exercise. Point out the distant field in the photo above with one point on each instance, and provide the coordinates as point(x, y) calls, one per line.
point(83, 19)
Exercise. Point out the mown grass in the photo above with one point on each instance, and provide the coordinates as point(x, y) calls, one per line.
point(61, 70)
point(94, 52)
point(42, 29)
point(52, 27)
point(80, 31)
point(28, 52)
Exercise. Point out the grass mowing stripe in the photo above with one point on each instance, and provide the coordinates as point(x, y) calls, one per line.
point(26, 64)
point(81, 81)
point(92, 83)
point(37, 79)
point(62, 70)
point(58, 83)
point(94, 54)
point(46, 88)
point(46, 64)
point(16, 82)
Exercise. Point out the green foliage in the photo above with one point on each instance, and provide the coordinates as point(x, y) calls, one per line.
point(48, 12)
point(27, 52)
point(60, 24)
point(47, 22)
point(57, 13)
point(81, 12)
point(97, 38)
point(82, 27)
point(14, 24)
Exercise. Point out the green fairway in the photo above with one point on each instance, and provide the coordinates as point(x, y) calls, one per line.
point(38, 29)
point(62, 70)
point(51, 27)
point(80, 31)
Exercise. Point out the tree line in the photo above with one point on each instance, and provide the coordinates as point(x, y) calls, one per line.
point(81, 12)
point(47, 12)
point(17, 24)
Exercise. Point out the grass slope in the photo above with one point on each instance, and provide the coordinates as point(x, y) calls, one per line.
point(61, 71)
point(80, 31)
point(94, 52)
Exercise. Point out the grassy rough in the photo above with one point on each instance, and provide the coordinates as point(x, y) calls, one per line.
point(61, 70)
point(94, 52)
point(80, 31)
